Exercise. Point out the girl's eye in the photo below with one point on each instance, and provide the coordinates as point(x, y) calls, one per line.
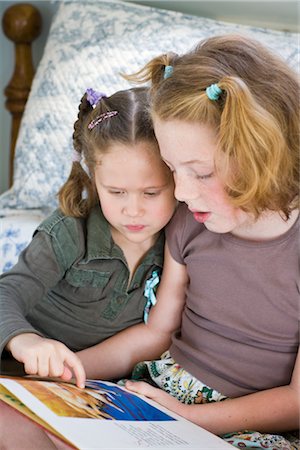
point(151, 194)
point(204, 177)
point(116, 192)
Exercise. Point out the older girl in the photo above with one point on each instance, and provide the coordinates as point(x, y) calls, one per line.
point(226, 116)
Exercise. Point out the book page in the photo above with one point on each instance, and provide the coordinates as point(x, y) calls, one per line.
point(7, 397)
point(107, 416)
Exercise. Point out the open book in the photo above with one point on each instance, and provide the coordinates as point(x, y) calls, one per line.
point(103, 416)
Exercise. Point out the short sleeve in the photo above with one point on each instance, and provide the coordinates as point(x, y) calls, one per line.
point(175, 231)
point(182, 233)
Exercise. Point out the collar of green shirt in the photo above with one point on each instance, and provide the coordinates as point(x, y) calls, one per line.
point(100, 245)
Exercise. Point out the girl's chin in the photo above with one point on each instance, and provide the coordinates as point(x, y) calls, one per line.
point(218, 227)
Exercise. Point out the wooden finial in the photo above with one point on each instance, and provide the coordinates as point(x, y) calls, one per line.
point(21, 24)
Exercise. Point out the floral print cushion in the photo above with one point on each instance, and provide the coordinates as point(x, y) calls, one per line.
point(15, 234)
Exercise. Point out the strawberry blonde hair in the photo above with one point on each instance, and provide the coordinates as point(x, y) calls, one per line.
point(256, 116)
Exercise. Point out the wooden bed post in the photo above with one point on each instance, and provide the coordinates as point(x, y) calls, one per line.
point(21, 24)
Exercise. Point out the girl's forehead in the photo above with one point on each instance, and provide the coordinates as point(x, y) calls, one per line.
point(120, 151)
point(182, 131)
point(186, 142)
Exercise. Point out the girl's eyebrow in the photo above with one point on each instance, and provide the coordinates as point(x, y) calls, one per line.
point(161, 186)
point(192, 162)
point(195, 161)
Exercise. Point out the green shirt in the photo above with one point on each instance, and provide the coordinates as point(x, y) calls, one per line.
point(71, 283)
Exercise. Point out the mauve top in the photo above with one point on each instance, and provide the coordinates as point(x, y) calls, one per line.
point(240, 324)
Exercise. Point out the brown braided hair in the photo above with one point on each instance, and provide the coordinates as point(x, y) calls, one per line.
point(132, 124)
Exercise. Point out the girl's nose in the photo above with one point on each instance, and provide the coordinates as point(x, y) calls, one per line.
point(185, 188)
point(134, 207)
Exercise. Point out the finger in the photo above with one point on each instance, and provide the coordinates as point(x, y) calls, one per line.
point(76, 365)
point(67, 374)
point(56, 366)
point(140, 387)
point(43, 363)
point(156, 394)
point(31, 365)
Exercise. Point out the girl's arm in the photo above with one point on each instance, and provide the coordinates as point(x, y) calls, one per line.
point(26, 284)
point(116, 357)
point(272, 410)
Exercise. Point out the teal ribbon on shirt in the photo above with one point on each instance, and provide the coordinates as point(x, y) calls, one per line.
point(149, 293)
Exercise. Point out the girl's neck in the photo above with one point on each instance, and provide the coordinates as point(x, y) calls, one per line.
point(134, 252)
point(270, 225)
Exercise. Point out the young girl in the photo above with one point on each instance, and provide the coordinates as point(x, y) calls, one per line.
point(226, 116)
point(82, 278)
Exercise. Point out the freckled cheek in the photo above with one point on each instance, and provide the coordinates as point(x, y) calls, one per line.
point(225, 207)
point(217, 197)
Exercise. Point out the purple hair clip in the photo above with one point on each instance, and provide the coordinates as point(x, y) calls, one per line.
point(93, 97)
point(101, 117)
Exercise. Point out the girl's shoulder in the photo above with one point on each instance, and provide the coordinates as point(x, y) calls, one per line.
point(63, 232)
point(57, 221)
point(183, 222)
point(181, 231)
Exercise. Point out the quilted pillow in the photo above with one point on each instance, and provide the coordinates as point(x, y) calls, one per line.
point(15, 233)
point(88, 45)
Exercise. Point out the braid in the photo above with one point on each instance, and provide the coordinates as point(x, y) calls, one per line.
point(70, 195)
point(84, 110)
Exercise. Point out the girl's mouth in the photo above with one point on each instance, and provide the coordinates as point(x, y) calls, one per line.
point(201, 216)
point(135, 227)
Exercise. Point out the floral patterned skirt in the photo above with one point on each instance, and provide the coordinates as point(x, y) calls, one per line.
point(172, 378)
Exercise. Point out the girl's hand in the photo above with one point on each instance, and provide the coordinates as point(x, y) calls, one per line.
point(46, 358)
point(158, 395)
